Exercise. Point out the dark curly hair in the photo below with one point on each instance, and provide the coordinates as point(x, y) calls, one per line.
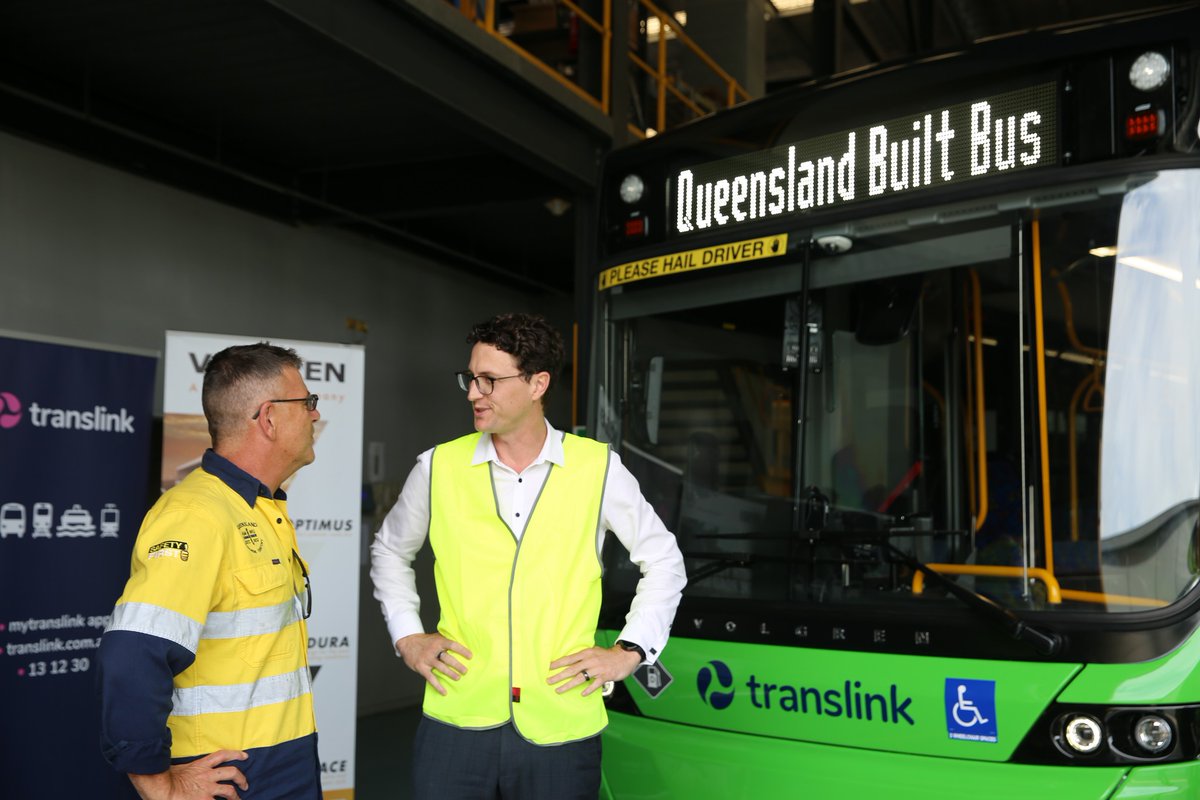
point(533, 342)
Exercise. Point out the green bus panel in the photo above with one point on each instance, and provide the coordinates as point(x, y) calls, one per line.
point(1163, 681)
point(644, 759)
point(1167, 782)
point(893, 703)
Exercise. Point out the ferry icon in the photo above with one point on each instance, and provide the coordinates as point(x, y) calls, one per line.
point(76, 521)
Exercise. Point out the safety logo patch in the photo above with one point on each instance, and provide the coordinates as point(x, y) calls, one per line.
point(172, 548)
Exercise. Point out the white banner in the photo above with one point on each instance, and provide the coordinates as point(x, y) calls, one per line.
point(324, 499)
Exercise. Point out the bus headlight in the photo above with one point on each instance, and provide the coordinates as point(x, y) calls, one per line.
point(1149, 71)
point(1083, 734)
point(632, 188)
point(1153, 734)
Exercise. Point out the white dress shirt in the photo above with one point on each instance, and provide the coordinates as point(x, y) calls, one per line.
point(623, 511)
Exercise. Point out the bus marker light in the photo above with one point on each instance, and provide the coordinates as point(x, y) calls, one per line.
point(635, 226)
point(1153, 733)
point(1143, 124)
point(632, 188)
point(1083, 734)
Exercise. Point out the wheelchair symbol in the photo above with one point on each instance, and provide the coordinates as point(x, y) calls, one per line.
point(965, 713)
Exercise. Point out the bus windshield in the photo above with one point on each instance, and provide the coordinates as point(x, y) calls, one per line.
point(1003, 393)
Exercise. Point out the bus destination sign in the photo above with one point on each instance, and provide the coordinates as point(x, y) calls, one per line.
point(941, 147)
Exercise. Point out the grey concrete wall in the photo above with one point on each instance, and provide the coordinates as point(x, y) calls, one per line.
point(99, 255)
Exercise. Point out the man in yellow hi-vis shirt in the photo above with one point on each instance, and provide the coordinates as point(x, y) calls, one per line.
point(204, 678)
point(516, 514)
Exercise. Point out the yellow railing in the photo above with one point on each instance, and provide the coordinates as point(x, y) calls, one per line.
point(539, 31)
point(668, 85)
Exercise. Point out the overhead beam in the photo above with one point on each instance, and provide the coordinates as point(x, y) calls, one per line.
point(490, 103)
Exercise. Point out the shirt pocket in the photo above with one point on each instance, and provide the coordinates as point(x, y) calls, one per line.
point(266, 614)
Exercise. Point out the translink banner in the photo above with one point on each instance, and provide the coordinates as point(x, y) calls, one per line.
point(75, 432)
point(325, 502)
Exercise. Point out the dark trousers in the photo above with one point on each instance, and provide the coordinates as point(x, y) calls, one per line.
point(497, 764)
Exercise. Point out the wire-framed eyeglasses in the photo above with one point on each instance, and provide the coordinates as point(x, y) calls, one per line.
point(307, 583)
point(310, 402)
point(484, 383)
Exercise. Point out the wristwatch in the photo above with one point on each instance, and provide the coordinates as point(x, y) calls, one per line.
point(631, 647)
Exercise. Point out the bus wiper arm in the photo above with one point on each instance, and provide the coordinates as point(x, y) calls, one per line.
point(721, 563)
point(1045, 642)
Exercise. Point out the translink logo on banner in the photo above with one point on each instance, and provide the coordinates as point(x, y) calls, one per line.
point(97, 418)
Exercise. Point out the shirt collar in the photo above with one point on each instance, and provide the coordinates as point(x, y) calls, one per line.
point(552, 448)
point(248, 487)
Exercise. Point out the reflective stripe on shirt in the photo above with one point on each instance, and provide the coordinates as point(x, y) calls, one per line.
point(250, 621)
point(240, 696)
point(157, 621)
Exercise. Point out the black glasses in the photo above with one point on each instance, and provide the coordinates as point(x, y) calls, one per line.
point(307, 583)
point(310, 403)
point(484, 383)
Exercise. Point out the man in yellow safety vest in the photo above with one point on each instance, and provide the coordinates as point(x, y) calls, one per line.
point(516, 514)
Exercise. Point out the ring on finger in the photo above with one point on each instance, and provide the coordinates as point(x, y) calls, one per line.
point(586, 676)
point(439, 655)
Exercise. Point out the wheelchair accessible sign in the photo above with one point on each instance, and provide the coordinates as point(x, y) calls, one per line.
point(971, 709)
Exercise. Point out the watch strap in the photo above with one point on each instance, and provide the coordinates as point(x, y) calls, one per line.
point(631, 647)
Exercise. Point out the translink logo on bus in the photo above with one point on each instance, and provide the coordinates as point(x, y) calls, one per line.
point(850, 700)
point(945, 146)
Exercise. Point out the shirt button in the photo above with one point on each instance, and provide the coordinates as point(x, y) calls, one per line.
point(279, 520)
point(518, 513)
point(520, 480)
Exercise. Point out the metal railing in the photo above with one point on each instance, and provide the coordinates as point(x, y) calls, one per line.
point(539, 29)
point(669, 85)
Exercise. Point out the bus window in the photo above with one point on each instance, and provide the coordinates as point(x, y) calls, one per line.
point(949, 410)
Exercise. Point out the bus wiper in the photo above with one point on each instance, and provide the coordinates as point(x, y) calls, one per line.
point(720, 564)
point(1045, 642)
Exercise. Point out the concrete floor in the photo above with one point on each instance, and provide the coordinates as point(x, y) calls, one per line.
point(384, 755)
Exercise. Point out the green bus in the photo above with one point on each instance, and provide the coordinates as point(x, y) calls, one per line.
point(909, 360)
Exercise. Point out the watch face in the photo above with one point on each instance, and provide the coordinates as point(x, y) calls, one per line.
point(632, 188)
point(1149, 71)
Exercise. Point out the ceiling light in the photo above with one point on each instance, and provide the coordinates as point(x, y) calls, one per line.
point(557, 206)
point(1103, 252)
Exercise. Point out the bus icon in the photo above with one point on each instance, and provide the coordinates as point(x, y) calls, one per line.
point(110, 520)
point(43, 520)
point(12, 519)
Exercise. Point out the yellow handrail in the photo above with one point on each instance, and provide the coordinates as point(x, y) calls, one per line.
point(1120, 599)
point(1043, 432)
point(981, 472)
point(1054, 593)
point(1091, 384)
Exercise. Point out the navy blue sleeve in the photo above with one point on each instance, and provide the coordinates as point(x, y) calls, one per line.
point(135, 673)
